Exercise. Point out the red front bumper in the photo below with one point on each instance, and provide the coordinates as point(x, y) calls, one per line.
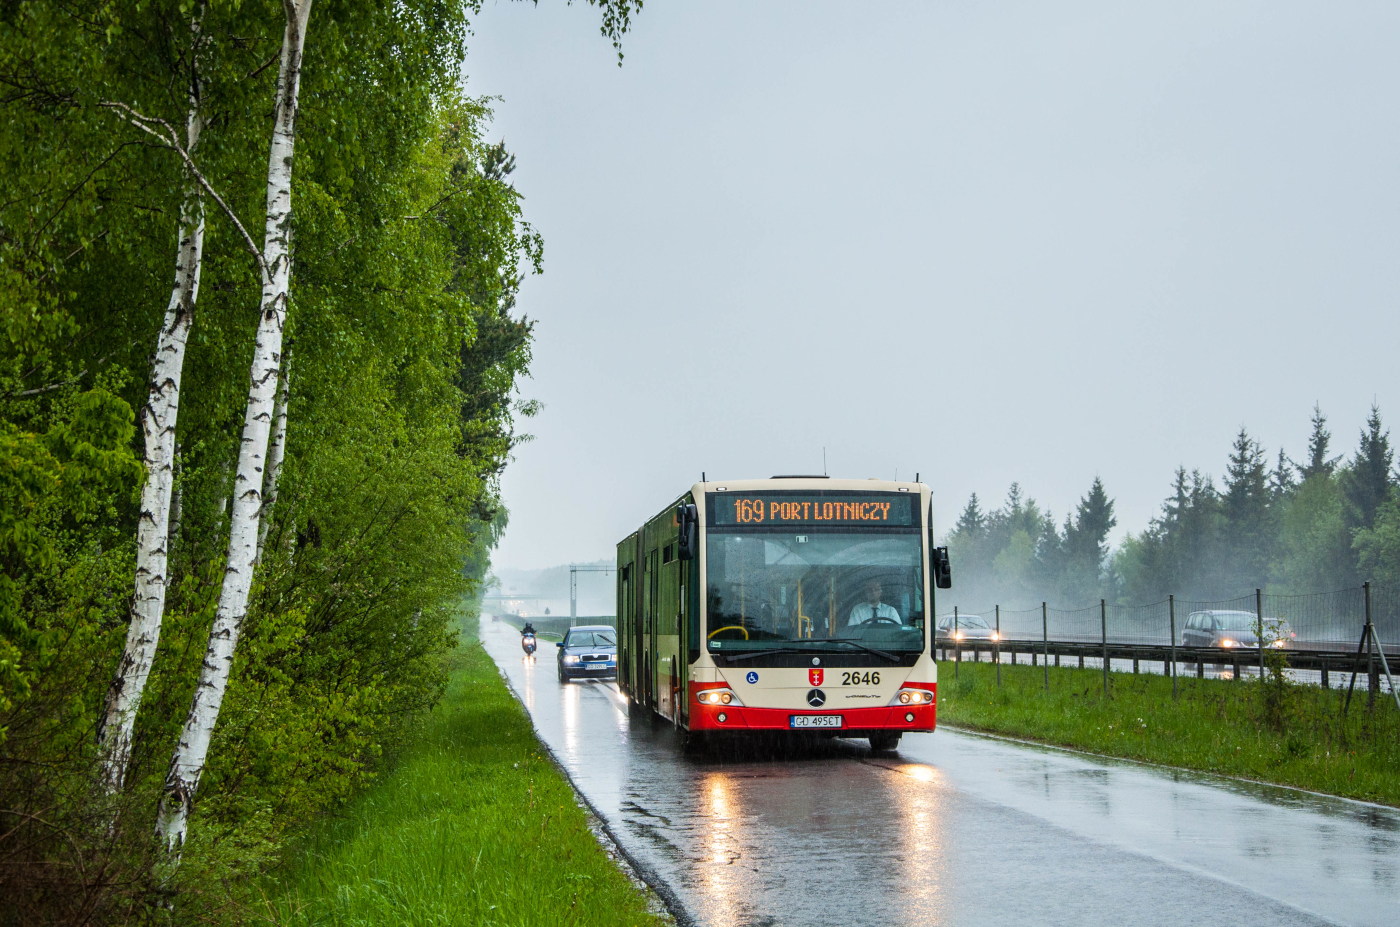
point(885, 718)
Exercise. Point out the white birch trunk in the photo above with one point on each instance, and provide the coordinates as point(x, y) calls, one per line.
point(158, 419)
point(187, 761)
point(176, 502)
point(276, 451)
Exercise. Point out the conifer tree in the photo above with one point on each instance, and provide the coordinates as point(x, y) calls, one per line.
point(971, 522)
point(1086, 543)
point(1318, 462)
point(1245, 506)
point(1367, 482)
point(1093, 519)
point(1281, 481)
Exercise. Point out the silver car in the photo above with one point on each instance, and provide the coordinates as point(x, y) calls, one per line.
point(1227, 629)
point(965, 628)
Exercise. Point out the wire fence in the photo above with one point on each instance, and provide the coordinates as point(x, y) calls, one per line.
point(1318, 621)
point(1309, 627)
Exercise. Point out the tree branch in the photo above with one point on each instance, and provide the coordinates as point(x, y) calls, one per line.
point(460, 188)
point(262, 67)
point(171, 139)
point(50, 388)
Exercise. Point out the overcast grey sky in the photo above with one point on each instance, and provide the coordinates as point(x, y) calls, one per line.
point(984, 242)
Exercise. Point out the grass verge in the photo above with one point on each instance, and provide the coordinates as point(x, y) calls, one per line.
point(473, 825)
point(1298, 737)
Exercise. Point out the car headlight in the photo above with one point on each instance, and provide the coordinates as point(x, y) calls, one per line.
point(1279, 643)
point(1227, 643)
point(912, 697)
point(996, 636)
point(957, 635)
point(717, 697)
point(570, 658)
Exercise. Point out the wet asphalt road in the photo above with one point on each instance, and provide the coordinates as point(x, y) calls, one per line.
point(955, 829)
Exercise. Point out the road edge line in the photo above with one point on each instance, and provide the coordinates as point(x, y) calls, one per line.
point(658, 890)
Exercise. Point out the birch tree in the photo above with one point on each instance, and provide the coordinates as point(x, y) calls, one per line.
point(276, 453)
point(342, 642)
point(158, 421)
point(192, 749)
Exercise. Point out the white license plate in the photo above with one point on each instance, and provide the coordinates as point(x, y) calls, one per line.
point(595, 666)
point(796, 721)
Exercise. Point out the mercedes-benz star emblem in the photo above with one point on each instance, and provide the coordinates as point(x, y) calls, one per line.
point(816, 698)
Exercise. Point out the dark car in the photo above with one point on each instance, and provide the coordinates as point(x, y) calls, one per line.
point(588, 651)
point(1233, 629)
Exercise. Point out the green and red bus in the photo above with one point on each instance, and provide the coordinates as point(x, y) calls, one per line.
point(786, 604)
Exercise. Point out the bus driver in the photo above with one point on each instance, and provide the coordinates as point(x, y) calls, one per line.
point(872, 607)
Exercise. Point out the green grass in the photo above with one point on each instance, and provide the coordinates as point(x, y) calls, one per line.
point(473, 825)
point(1215, 726)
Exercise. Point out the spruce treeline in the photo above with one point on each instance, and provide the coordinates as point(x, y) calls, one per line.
point(1322, 523)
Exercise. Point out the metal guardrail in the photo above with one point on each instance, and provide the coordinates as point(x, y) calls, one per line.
point(1159, 658)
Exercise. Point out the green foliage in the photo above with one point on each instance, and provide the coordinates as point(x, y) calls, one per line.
point(1236, 728)
point(1378, 547)
point(473, 825)
point(1313, 551)
point(404, 356)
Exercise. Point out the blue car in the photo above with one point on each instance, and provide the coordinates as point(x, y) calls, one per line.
point(588, 651)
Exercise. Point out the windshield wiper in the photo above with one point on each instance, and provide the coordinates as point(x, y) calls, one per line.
point(879, 653)
point(748, 654)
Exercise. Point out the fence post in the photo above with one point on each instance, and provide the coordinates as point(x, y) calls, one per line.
point(1373, 681)
point(1360, 646)
point(1171, 616)
point(996, 655)
point(1259, 620)
point(1103, 618)
point(957, 645)
point(1045, 634)
point(1380, 648)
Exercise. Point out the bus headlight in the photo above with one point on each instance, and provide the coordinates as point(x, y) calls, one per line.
point(718, 697)
point(912, 697)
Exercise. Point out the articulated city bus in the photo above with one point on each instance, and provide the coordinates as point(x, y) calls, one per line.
point(792, 604)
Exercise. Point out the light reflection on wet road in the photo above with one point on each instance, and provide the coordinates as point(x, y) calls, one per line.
point(955, 829)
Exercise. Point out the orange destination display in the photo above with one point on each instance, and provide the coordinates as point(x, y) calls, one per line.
point(782, 509)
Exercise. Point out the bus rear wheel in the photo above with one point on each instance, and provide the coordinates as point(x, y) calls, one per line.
point(884, 743)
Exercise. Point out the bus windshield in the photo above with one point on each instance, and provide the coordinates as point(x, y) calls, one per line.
point(807, 590)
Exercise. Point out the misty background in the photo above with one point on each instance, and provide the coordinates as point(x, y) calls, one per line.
point(1023, 243)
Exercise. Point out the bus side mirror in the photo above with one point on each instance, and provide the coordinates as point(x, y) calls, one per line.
point(688, 517)
point(942, 569)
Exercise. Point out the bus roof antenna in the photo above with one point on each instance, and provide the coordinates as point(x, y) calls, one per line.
point(823, 461)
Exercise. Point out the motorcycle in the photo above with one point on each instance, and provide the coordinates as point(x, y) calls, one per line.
point(527, 643)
